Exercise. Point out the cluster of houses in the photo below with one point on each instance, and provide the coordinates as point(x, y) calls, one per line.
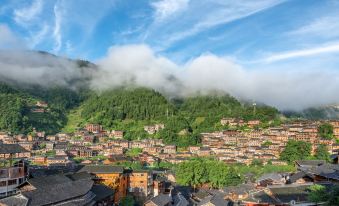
point(235, 146)
point(25, 184)
point(274, 189)
point(54, 159)
point(40, 107)
point(231, 146)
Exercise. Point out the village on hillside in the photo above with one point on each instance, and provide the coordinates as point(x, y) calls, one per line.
point(94, 166)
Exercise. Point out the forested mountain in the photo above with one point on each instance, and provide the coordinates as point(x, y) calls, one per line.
point(64, 85)
point(19, 113)
point(127, 109)
point(121, 104)
point(324, 112)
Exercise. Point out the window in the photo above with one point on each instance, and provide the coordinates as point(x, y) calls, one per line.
point(141, 182)
point(12, 182)
point(2, 183)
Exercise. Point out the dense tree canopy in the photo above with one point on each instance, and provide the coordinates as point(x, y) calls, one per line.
point(127, 109)
point(16, 104)
point(12, 109)
point(322, 153)
point(317, 193)
point(217, 174)
point(127, 201)
point(326, 131)
point(296, 150)
point(321, 194)
point(219, 106)
point(120, 104)
point(200, 171)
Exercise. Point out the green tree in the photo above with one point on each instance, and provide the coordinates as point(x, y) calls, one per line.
point(127, 201)
point(12, 111)
point(333, 199)
point(322, 153)
point(296, 150)
point(318, 193)
point(133, 152)
point(191, 173)
point(42, 146)
point(199, 171)
point(325, 131)
point(266, 143)
point(321, 194)
point(257, 162)
point(125, 103)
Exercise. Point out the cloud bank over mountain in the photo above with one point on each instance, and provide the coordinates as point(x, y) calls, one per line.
point(28, 67)
point(140, 66)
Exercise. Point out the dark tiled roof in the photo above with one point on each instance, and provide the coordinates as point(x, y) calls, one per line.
point(288, 193)
point(52, 170)
point(293, 178)
point(240, 189)
point(330, 171)
point(201, 195)
point(261, 197)
point(11, 149)
point(219, 201)
point(80, 176)
point(17, 200)
point(161, 200)
point(310, 162)
point(205, 201)
point(102, 192)
point(55, 193)
point(271, 176)
point(180, 200)
point(42, 182)
point(102, 169)
point(216, 200)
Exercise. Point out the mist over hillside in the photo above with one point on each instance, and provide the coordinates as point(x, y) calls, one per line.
point(28, 68)
point(315, 113)
point(138, 66)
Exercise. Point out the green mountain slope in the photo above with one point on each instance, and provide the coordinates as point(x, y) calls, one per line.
point(127, 109)
point(19, 113)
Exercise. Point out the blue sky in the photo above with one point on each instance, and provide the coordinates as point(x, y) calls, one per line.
point(280, 52)
point(260, 32)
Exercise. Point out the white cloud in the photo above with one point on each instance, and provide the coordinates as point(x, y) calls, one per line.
point(136, 64)
point(323, 26)
point(166, 8)
point(57, 28)
point(38, 37)
point(24, 16)
point(200, 16)
point(8, 40)
point(84, 17)
point(29, 67)
point(31, 18)
point(330, 48)
point(139, 65)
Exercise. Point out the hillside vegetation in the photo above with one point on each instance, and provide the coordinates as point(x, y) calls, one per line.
point(127, 109)
point(16, 105)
